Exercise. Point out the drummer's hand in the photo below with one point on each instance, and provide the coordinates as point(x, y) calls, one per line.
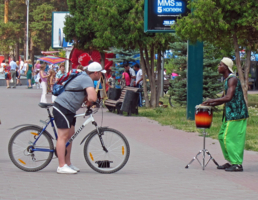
point(208, 102)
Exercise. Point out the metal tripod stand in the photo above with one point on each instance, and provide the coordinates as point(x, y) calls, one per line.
point(203, 151)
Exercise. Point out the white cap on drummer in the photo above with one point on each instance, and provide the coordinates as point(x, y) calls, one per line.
point(229, 63)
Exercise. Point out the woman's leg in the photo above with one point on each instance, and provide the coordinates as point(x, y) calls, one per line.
point(7, 83)
point(29, 80)
point(63, 137)
point(44, 92)
point(69, 148)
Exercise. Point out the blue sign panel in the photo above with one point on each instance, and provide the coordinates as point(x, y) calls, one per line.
point(170, 7)
point(160, 15)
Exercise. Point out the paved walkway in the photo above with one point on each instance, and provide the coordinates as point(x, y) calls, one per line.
point(155, 169)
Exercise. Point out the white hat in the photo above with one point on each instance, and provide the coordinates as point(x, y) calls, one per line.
point(95, 67)
point(228, 62)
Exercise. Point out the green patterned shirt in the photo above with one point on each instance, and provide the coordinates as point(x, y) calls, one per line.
point(236, 108)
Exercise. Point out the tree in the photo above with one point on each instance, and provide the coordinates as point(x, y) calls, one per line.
point(179, 84)
point(211, 84)
point(118, 23)
point(224, 23)
point(40, 24)
point(41, 27)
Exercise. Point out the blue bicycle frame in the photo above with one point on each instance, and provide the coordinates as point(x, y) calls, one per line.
point(51, 120)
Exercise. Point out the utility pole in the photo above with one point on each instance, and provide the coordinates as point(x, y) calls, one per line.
point(6, 5)
point(27, 39)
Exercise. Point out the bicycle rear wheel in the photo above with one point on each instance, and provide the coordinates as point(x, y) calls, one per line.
point(20, 146)
point(117, 154)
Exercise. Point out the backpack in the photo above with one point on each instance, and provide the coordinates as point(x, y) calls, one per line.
point(60, 85)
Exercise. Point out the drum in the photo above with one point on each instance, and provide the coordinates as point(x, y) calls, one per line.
point(203, 116)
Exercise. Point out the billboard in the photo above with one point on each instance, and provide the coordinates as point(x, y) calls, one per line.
point(58, 37)
point(159, 15)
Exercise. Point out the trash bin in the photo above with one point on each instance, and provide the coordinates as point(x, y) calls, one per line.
point(114, 93)
point(130, 103)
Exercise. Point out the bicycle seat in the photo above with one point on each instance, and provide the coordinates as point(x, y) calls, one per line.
point(45, 105)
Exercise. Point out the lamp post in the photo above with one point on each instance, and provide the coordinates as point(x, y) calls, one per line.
point(27, 39)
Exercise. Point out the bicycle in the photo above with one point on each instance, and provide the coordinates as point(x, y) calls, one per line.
point(105, 150)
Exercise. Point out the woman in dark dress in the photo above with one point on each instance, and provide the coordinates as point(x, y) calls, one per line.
point(28, 73)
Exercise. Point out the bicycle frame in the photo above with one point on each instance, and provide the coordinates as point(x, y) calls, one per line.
point(51, 120)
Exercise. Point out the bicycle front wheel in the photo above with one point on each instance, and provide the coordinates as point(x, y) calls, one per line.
point(21, 147)
point(114, 158)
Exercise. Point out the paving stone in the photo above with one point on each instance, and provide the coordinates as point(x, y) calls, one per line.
point(155, 169)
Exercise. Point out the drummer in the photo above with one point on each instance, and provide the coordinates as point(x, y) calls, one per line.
point(233, 129)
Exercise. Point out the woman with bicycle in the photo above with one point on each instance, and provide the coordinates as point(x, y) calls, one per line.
point(65, 107)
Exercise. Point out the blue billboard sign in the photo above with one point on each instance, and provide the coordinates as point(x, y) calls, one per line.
point(159, 15)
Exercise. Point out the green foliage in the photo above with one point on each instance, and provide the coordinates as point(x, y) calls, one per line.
point(41, 26)
point(216, 21)
point(211, 84)
point(179, 89)
point(40, 19)
point(101, 24)
point(123, 56)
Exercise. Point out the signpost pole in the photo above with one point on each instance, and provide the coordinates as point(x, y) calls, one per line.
point(194, 77)
point(162, 75)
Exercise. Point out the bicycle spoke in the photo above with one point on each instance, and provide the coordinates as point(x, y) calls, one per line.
point(107, 162)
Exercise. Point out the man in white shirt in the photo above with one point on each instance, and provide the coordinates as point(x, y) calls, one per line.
point(21, 64)
point(138, 82)
point(14, 67)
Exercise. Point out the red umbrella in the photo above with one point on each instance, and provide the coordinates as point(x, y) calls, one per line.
point(52, 59)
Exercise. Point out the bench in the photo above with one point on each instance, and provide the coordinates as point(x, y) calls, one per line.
point(113, 105)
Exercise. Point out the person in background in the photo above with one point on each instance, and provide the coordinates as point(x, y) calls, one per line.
point(138, 82)
point(47, 68)
point(37, 66)
point(61, 72)
point(131, 72)
point(174, 74)
point(14, 67)
point(24, 67)
point(18, 75)
point(7, 73)
point(43, 77)
point(2, 66)
point(112, 81)
point(127, 77)
point(55, 67)
point(21, 65)
point(37, 79)
point(52, 82)
point(28, 73)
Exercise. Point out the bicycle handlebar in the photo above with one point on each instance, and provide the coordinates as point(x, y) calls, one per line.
point(89, 111)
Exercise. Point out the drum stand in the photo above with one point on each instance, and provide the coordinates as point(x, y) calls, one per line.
point(203, 151)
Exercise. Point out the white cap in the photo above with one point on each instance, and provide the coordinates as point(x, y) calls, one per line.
point(95, 67)
point(228, 62)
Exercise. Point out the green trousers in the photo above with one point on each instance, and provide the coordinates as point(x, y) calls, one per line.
point(232, 140)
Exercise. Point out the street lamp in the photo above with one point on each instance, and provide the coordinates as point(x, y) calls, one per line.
point(27, 39)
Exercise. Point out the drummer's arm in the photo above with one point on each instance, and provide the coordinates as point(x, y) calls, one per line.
point(232, 83)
